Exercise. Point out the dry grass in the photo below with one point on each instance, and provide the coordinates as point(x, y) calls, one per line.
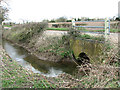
point(103, 75)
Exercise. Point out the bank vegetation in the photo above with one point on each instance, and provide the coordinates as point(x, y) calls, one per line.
point(31, 36)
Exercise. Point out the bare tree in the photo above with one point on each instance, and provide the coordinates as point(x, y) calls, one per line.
point(3, 11)
point(3, 16)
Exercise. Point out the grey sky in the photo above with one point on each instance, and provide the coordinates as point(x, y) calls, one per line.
point(37, 10)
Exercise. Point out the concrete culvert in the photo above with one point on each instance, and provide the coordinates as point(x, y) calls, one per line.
point(82, 58)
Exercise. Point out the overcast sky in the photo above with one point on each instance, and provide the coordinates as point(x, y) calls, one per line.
point(37, 10)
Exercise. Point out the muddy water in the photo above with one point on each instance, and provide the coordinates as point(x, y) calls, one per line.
point(92, 48)
point(30, 62)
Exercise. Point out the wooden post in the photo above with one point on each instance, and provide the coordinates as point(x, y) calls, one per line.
point(107, 28)
point(73, 23)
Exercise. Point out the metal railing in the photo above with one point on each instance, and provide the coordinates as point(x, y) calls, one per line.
point(106, 25)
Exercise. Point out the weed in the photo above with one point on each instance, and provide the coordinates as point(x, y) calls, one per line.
point(25, 32)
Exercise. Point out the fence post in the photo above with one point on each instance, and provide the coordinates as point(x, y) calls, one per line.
point(73, 23)
point(107, 28)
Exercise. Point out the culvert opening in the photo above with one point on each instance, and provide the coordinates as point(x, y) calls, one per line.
point(82, 58)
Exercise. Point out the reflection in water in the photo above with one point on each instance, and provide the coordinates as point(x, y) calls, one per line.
point(53, 72)
point(32, 63)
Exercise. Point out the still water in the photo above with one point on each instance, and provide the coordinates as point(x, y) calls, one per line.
point(24, 58)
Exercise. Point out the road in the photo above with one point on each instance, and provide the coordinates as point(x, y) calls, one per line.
point(55, 33)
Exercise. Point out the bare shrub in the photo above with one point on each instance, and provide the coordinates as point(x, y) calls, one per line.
point(26, 31)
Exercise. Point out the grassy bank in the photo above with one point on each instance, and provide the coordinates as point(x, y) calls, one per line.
point(58, 29)
point(15, 76)
point(59, 46)
point(31, 37)
point(96, 76)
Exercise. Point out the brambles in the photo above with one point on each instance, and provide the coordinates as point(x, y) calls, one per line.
point(58, 46)
point(25, 32)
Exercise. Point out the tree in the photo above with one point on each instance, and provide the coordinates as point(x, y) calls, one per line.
point(61, 19)
point(3, 11)
point(45, 20)
point(69, 21)
point(52, 21)
point(79, 19)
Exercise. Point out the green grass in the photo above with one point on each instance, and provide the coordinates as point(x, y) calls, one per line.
point(59, 29)
point(86, 37)
point(111, 30)
point(114, 30)
point(83, 29)
point(7, 25)
point(14, 76)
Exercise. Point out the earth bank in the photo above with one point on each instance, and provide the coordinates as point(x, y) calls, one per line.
point(33, 38)
point(15, 76)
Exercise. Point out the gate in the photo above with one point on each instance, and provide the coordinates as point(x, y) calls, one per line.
point(106, 26)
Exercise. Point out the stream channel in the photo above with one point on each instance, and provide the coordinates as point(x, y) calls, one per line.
point(52, 69)
point(46, 68)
